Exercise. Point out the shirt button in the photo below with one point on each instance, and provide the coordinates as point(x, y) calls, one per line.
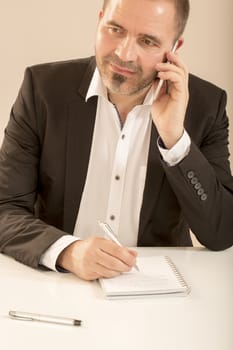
point(123, 136)
point(117, 177)
point(190, 174)
point(112, 217)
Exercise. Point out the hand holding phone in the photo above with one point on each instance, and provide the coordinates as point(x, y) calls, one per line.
point(161, 81)
point(168, 109)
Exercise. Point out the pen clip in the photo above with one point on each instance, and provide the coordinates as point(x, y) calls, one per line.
point(16, 316)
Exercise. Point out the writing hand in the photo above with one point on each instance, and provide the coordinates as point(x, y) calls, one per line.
point(96, 257)
point(168, 110)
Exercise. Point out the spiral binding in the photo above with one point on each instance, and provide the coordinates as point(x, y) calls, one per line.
point(177, 274)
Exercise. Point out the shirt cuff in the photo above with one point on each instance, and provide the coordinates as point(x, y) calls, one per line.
point(49, 257)
point(178, 152)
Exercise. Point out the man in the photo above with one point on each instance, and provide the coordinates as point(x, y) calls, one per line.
point(85, 144)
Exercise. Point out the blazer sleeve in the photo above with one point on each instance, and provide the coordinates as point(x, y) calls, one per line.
point(202, 181)
point(22, 234)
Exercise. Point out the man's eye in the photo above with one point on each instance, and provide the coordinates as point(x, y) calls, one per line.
point(148, 42)
point(115, 30)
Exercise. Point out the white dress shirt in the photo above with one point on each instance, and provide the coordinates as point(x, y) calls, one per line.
point(116, 173)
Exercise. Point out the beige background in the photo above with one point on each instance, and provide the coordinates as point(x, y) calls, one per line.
point(50, 30)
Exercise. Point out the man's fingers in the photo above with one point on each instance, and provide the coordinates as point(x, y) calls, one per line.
point(111, 262)
point(133, 252)
point(176, 61)
point(104, 272)
point(122, 254)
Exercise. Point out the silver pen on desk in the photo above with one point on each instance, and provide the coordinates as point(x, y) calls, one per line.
point(27, 316)
point(109, 232)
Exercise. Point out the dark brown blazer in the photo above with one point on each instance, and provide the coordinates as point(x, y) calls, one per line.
point(45, 154)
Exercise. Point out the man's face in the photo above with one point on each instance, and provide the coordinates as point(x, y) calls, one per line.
point(132, 36)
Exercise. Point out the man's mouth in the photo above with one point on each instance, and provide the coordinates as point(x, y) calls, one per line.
point(121, 70)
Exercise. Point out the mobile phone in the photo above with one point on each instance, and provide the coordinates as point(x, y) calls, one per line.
point(161, 81)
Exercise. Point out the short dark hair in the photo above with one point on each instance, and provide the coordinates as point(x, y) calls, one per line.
point(182, 11)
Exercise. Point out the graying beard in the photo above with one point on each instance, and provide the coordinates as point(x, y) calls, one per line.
point(119, 78)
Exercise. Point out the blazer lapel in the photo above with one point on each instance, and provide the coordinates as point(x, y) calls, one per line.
point(79, 139)
point(154, 179)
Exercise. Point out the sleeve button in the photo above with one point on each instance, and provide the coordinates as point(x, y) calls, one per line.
point(194, 180)
point(197, 186)
point(204, 197)
point(190, 174)
point(200, 192)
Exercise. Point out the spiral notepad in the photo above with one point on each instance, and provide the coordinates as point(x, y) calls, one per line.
point(158, 276)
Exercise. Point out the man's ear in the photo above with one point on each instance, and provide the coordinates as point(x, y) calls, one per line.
point(101, 13)
point(180, 43)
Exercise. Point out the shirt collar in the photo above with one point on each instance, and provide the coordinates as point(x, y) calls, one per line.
point(97, 88)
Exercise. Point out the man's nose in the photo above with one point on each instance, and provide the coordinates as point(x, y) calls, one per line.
point(127, 50)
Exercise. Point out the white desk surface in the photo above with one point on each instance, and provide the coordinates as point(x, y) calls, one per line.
point(203, 320)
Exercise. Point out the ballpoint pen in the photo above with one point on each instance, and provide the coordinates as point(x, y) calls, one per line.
point(27, 316)
point(109, 232)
